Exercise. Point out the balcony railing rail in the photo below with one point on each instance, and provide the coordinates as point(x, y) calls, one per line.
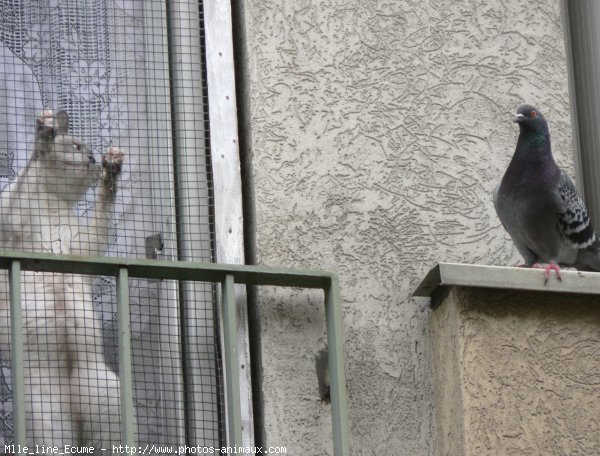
point(225, 274)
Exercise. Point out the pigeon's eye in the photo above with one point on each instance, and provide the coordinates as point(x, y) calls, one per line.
point(533, 114)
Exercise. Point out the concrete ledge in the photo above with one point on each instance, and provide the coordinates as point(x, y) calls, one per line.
point(516, 363)
point(470, 275)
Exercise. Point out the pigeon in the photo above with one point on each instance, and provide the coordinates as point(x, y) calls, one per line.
point(538, 204)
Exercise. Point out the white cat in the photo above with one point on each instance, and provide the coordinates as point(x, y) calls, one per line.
point(71, 395)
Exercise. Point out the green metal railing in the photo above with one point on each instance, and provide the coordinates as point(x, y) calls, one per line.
point(227, 276)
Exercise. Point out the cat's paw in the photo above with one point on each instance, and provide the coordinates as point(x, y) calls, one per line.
point(112, 161)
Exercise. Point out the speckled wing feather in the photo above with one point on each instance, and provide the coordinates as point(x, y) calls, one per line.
point(574, 221)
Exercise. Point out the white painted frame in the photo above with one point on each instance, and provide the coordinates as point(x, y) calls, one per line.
point(227, 177)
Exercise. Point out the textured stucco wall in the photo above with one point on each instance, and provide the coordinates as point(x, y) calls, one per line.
point(376, 131)
point(446, 354)
point(528, 371)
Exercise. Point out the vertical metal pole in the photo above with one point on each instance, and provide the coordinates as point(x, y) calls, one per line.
point(582, 42)
point(232, 372)
point(189, 135)
point(125, 377)
point(192, 212)
point(335, 343)
point(162, 194)
point(16, 347)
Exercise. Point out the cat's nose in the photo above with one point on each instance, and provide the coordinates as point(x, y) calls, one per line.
point(92, 159)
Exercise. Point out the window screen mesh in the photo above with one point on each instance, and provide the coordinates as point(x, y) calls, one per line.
point(129, 77)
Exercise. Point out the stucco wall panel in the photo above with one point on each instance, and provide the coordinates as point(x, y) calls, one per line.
point(378, 131)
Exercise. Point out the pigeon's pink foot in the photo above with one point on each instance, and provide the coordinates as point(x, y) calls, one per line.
point(552, 267)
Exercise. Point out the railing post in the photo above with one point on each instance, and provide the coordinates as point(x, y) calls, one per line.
point(337, 376)
point(232, 372)
point(125, 377)
point(16, 348)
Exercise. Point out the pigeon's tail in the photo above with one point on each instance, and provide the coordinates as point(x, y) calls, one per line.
point(589, 259)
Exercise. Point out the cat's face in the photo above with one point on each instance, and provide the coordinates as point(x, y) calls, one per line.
point(64, 163)
point(68, 166)
point(70, 154)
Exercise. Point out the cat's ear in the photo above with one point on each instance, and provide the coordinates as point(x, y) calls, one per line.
point(44, 125)
point(48, 125)
point(61, 122)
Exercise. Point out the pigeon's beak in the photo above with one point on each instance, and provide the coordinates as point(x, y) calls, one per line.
point(518, 117)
